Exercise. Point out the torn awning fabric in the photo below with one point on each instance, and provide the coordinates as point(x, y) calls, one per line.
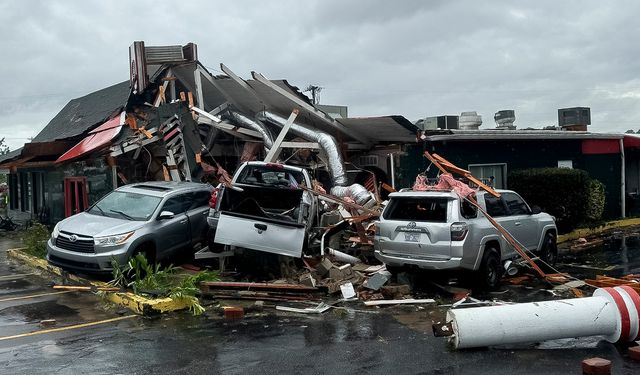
point(445, 182)
point(97, 138)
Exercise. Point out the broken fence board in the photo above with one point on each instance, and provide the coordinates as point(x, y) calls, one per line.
point(399, 302)
point(258, 286)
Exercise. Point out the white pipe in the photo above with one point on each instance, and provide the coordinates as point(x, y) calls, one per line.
point(623, 188)
point(613, 313)
point(342, 257)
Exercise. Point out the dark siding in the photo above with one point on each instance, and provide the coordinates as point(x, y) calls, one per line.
point(517, 154)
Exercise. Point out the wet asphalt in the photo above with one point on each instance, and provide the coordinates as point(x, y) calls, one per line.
point(358, 340)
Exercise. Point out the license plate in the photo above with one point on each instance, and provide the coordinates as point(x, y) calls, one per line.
point(412, 237)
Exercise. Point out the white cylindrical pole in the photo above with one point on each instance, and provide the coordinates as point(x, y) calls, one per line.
point(613, 313)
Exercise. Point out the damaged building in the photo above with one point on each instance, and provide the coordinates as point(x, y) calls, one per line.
point(174, 120)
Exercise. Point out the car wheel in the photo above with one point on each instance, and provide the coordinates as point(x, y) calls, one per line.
point(490, 272)
point(549, 251)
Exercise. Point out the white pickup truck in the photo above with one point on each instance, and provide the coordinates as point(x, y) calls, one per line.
point(265, 209)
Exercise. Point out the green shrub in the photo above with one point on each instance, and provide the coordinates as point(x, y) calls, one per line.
point(35, 240)
point(561, 192)
point(146, 278)
point(595, 201)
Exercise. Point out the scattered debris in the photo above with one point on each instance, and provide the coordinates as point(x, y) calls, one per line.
point(48, 322)
point(347, 291)
point(634, 353)
point(231, 312)
point(632, 281)
point(318, 309)
point(596, 366)
point(377, 280)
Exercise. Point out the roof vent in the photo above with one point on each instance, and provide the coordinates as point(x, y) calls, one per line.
point(505, 119)
point(469, 121)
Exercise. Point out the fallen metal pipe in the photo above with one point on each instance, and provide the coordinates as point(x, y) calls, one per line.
point(342, 257)
point(613, 313)
point(357, 192)
point(328, 144)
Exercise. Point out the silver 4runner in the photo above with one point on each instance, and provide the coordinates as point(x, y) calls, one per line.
point(436, 230)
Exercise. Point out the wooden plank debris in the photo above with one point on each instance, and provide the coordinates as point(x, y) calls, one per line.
point(257, 286)
point(399, 302)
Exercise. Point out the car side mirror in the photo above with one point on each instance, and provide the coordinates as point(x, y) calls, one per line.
point(535, 210)
point(166, 215)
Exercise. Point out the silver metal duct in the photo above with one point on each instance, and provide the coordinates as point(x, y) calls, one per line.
point(326, 142)
point(357, 192)
point(246, 122)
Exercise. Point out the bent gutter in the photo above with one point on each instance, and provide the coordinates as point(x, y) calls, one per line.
point(246, 122)
point(328, 144)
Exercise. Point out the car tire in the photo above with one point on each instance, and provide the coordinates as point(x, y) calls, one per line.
point(213, 246)
point(394, 270)
point(490, 272)
point(549, 251)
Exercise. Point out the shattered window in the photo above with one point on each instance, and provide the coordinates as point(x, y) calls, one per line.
point(270, 176)
point(417, 209)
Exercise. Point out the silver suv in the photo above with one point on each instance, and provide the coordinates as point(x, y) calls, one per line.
point(436, 230)
point(159, 219)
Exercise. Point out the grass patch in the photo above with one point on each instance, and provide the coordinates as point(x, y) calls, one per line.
point(155, 280)
point(35, 240)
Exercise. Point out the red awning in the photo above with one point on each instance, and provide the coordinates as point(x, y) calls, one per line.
point(97, 138)
point(600, 146)
point(631, 141)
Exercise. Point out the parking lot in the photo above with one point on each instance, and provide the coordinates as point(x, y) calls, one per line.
point(90, 336)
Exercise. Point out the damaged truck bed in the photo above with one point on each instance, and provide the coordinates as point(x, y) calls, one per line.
point(264, 209)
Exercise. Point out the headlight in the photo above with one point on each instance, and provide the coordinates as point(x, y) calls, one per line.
point(55, 232)
point(112, 240)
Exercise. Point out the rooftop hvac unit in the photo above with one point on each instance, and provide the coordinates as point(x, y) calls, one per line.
point(368, 161)
point(469, 120)
point(505, 119)
point(574, 116)
point(438, 122)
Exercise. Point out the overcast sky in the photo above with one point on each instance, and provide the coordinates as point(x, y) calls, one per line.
point(412, 58)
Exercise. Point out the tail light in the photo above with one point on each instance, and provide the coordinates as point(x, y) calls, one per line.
point(459, 231)
point(213, 201)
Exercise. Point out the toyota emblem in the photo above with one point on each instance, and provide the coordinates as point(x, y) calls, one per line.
point(411, 224)
point(73, 238)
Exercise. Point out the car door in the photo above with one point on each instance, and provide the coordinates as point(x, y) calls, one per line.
point(525, 228)
point(197, 214)
point(173, 233)
point(498, 210)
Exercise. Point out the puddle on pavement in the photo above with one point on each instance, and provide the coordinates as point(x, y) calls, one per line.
point(618, 255)
point(35, 312)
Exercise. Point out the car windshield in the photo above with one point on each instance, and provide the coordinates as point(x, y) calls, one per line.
point(125, 205)
point(270, 176)
point(417, 209)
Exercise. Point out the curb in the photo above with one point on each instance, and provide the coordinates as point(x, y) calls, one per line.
point(585, 232)
point(137, 304)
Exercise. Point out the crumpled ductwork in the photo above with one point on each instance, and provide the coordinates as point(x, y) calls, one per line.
point(357, 192)
point(326, 142)
point(246, 122)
